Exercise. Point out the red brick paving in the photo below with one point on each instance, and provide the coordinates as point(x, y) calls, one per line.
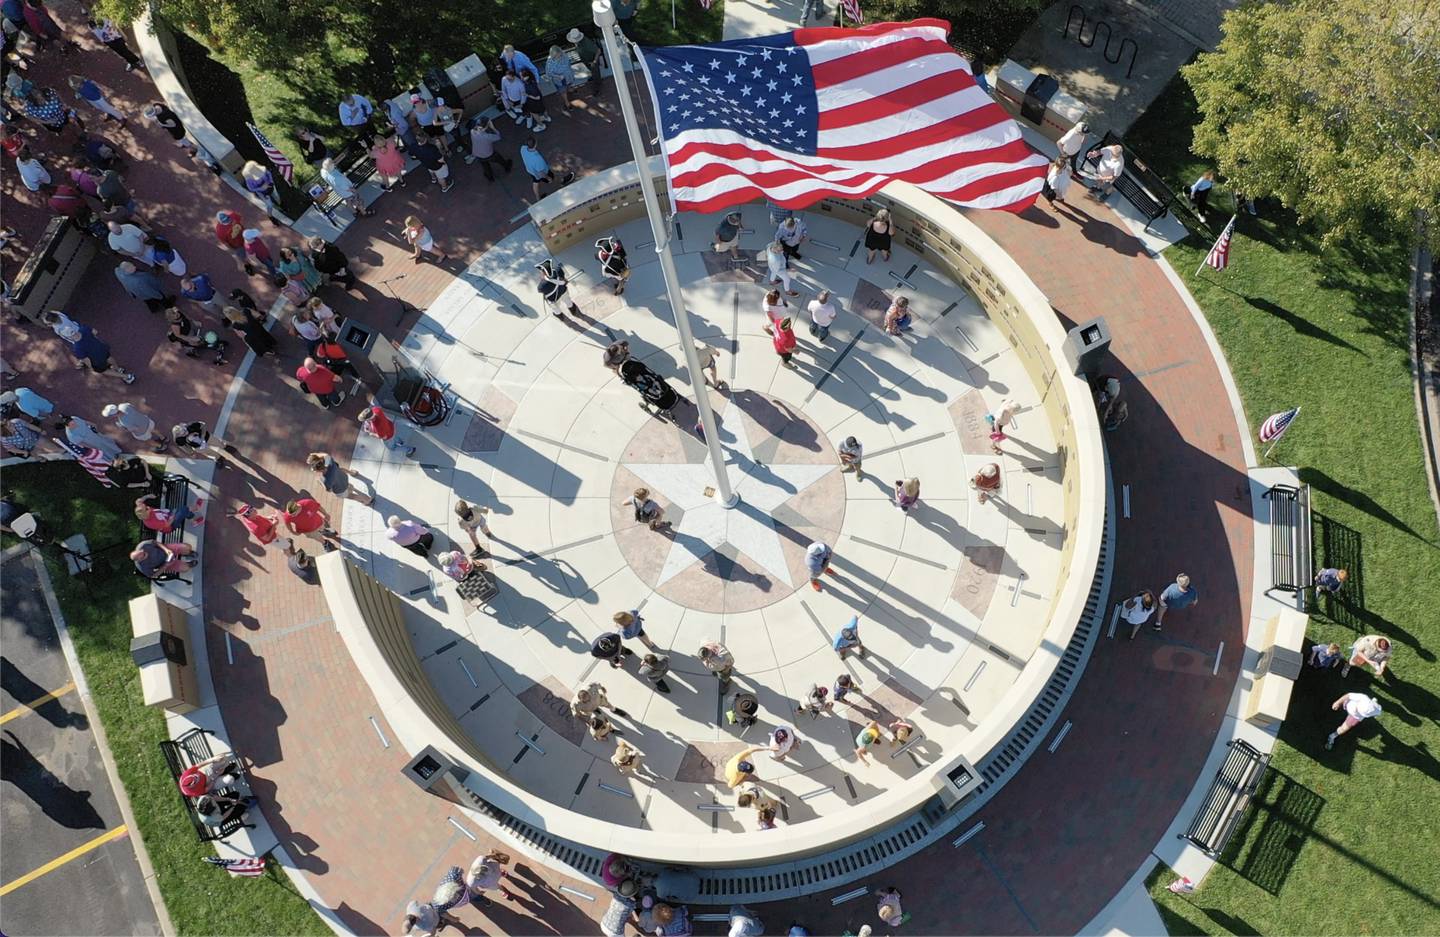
point(1060, 839)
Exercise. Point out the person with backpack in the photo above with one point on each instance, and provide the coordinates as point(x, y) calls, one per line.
point(614, 264)
point(554, 287)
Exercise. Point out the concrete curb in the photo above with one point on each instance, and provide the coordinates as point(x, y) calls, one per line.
point(1427, 391)
point(102, 742)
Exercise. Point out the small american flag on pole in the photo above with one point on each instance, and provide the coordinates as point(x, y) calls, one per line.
point(279, 160)
point(705, 4)
point(1219, 256)
point(827, 112)
point(91, 460)
point(249, 867)
point(1276, 424)
point(852, 11)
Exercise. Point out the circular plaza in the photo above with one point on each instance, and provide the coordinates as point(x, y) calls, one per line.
point(964, 606)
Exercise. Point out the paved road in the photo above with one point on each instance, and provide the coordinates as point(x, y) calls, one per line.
point(56, 798)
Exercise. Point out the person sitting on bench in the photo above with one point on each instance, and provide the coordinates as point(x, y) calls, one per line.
point(217, 809)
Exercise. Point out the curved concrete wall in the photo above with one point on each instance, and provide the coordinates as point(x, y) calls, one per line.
point(371, 619)
point(157, 48)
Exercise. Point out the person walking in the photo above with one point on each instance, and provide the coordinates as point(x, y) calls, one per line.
point(1179, 594)
point(343, 188)
point(627, 757)
point(264, 528)
point(319, 380)
point(412, 535)
point(999, 421)
point(1057, 181)
point(487, 873)
point(1199, 193)
point(305, 516)
point(389, 162)
point(847, 639)
point(717, 659)
point(590, 698)
point(137, 423)
point(561, 74)
point(817, 562)
point(377, 423)
point(727, 234)
point(195, 441)
point(878, 234)
point(167, 121)
point(429, 155)
point(114, 40)
point(258, 251)
point(250, 326)
point(1358, 708)
point(782, 338)
point(778, 268)
point(791, 233)
point(472, 518)
point(1330, 581)
point(898, 319)
point(145, 286)
point(709, 358)
point(632, 627)
point(1137, 610)
point(89, 351)
point(554, 288)
point(421, 240)
point(483, 137)
point(1370, 651)
point(852, 456)
point(92, 94)
point(907, 493)
point(608, 647)
point(647, 511)
point(27, 402)
point(539, 168)
point(866, 739)
point(654, 667)
point(337, 479)
point(986, 482)
point(822, 315)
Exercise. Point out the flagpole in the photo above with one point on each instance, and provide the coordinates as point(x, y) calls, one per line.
point(1282, 434)
point(1212, 246)
point(605, 19)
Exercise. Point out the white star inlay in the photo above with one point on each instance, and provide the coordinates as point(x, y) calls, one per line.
point(706, 525)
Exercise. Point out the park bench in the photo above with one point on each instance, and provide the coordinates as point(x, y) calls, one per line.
point(172, 492)
point(353, 159)
point(1138, 184)
point(1230, 794)
point(1292, 546)
point(191, 749)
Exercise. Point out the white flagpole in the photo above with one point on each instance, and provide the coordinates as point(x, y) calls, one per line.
point(1282, 433)
point(1212, 246)
point(605, 19)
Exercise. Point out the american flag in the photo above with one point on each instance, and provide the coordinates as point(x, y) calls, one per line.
point(852, 11)
point(247, 866)
point(91, 459)
point(814, 113)
point(1219, 256)
point(1275, 426)
point(705, 4)
point(279, 160)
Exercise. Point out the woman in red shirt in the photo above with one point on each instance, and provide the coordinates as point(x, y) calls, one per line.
point(262, 528)
point(229, 231)
point(782, 336)
point(162, 520)
point(374, 421)
point(307, 518)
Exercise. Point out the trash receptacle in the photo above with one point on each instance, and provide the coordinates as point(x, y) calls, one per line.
point(1037, 98)
point(1086, 344)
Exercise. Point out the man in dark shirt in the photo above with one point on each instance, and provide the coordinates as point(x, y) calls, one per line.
point(429, 156)
point(331, 261)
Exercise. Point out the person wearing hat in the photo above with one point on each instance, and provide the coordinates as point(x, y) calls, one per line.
point(589, 52)
point(487, 873)
point(783, 739)
point(230, 232)
point(554, 287)
point(199, 779)
point(867, 738)
point(1072, 142)
point(727, 234)
point(740, 768)
point(134, 421)
point(986, 482)
point(817, 563)
point(258, 251)
point(847, 639)
point(743, 709)
point(608, 647)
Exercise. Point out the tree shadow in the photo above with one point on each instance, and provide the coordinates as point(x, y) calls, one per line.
point(59, 801)
point(1301, 325)
point(1317, 478)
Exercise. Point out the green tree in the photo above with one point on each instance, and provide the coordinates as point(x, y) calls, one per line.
point(1330, 106)
point(983, 28)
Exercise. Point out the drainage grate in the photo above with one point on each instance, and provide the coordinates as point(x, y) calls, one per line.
point(883, 849)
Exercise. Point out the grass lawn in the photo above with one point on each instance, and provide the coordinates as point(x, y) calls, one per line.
point(201, 899)
point(1344, 841)
point(231, 91)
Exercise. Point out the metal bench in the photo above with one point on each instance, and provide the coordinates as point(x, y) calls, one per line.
point(1138, 184)
point(1292, 545)
point(191, 749)
point(172, 492)
point(1230, 794)
point(353, 159)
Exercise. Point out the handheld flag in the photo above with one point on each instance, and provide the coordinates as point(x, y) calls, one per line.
point(279, 160)
point(851, 10)
point(1219, 256)
point(1276, 424)
point(91, 460)
point(249, 867)
point(815, 113)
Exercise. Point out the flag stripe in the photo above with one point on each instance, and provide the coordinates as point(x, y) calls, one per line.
point(892, 92)
point(918, 166)
point(824, 43)
point(866, 61)
point(907, 133)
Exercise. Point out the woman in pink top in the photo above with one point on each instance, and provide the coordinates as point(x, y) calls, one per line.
point(389, 162)
point(162, 520)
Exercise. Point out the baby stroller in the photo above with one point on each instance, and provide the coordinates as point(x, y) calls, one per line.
point(653, 389)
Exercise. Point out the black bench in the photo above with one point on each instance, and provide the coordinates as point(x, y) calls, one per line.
point(1292, 545)
point(1138, 183)
point(172, 492)
point(191, 749)
point(1229, 796)
point(353, 159)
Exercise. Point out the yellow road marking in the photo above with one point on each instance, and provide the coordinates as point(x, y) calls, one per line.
point(70, 856)
point(33, 705)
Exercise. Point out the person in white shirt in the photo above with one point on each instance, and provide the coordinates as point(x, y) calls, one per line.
point(1137, 610)
point(1111, 165)
point(1358, 708)
point(778, 267)
point(512, 98)
point(1073, 142)
point(1058, 179)
point(33, 174)
point(129, 240)
point(783, 740)
point(822, 314)
point(791, 234)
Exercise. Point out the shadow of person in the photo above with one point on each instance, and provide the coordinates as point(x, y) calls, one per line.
point(61, 803)
point(26, 691)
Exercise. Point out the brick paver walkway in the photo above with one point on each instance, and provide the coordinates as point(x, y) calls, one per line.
point(1060, 839)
